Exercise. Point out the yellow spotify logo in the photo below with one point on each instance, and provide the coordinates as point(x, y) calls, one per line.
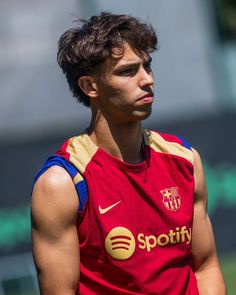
point(120, 243)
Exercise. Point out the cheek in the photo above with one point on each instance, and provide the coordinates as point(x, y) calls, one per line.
point(124, 89)
point(114, 94)
point(119, 92)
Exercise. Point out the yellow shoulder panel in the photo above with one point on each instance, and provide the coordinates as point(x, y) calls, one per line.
point(159, 144)
point(81, 150)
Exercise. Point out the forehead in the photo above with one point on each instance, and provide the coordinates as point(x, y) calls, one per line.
point(130, 54)
point(123, 56)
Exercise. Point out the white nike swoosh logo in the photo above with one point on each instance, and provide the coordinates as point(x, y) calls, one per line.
point(105, 210)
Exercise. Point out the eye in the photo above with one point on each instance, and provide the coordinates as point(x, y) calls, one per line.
point(147, 66)
point(127, 72)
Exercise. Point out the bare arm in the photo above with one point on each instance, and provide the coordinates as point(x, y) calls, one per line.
point(207, 270)
point(54, 235)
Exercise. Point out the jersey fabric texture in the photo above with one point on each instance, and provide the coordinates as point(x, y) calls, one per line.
point(134, 220)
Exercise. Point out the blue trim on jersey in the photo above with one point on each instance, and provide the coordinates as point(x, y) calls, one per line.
point(81, 187)
point(82, 191)
point(185, 143)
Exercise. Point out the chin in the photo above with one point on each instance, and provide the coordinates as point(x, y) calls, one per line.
point(143, 115)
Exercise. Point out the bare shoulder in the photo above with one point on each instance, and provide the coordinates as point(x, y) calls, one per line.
point(54, 199)
point(52, 178)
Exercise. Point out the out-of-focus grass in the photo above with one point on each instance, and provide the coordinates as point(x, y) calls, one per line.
point(228, 266)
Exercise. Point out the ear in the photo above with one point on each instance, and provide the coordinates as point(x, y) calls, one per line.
point(88, 86)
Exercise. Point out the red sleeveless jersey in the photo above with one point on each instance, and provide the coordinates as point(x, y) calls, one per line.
point(135, 226)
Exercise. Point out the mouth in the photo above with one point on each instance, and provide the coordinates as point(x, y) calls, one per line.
point(147, 98)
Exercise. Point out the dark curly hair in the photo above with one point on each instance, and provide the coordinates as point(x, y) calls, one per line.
point(83, 48)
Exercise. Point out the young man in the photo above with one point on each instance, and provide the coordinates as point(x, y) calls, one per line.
point(119, 209)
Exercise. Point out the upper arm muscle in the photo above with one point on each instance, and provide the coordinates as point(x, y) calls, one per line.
point(203, 245)
point(54, 233)
point(205, 261)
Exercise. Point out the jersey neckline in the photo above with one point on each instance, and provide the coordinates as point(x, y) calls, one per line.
point(130, 166)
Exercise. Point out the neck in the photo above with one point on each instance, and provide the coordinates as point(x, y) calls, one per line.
point(124, 141)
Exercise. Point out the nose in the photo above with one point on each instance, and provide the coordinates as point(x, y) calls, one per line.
point(146, 78)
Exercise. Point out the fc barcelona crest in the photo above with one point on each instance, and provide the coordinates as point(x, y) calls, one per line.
point(171, 198)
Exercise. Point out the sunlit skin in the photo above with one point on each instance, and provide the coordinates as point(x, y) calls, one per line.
point(120, 99)
point(126, 89)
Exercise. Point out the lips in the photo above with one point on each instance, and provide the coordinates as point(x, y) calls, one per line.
point(147, 98)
